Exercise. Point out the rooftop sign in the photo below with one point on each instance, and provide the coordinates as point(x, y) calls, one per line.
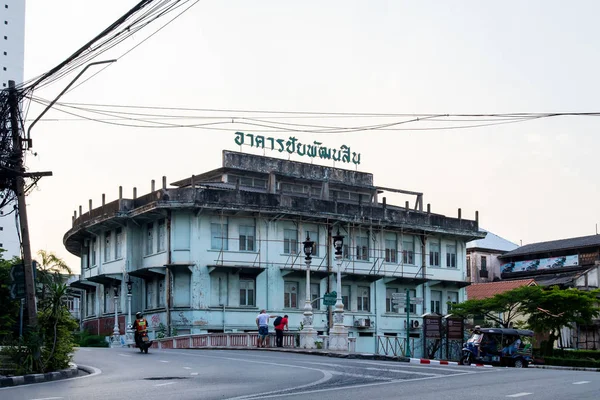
point(540, 263)
point(294, 146)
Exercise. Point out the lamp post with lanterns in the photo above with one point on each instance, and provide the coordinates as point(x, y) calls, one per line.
point(308, 334)
point(338, 339)
point(129, 332)
point(116, 334)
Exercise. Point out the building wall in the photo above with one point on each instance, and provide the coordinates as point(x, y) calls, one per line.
point(12, 49)
point(493, 265)
point(209, 271)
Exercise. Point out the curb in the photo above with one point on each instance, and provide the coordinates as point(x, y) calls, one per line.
point(442, 362)
point(36, 378)
point(558, 367)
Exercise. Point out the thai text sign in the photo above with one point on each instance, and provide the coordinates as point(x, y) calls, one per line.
point(433, 327)
point(329, 299)
point(541, 263)
point(294, 146)
point(455, 329)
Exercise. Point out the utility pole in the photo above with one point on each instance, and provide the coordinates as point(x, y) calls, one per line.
point(19, 187)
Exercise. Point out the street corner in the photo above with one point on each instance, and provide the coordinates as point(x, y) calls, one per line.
point(11, 381)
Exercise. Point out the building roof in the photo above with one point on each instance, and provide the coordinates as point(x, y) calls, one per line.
point(555, 245)
point(480, 291)
point(492, 242)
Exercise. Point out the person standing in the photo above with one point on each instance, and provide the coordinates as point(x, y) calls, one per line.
point(262, 322)
point(281, 323)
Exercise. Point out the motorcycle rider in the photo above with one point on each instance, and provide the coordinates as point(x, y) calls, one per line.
point(140, 325)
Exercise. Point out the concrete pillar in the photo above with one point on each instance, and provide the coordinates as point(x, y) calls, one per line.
point(134, 193)
point(459, 214)
point(103, 199)
point(428, 208)
point(90, 205)
point(152, 186)
point(120, 192)
point(80, 211)
point(164, 182)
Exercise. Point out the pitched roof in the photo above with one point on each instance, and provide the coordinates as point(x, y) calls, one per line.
point(555, 245)
point(492, 242)
point(485, 290)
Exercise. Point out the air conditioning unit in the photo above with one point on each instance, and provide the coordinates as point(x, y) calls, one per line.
point(415, 323)
point(362, 323)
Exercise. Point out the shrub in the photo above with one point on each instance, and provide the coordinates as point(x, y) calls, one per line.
point(86, 339)
point(572, 362)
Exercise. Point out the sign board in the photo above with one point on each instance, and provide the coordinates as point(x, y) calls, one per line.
point(415, 300)
point(455, 329)
point(17, 277)
point(329, 299)
point(433, 327)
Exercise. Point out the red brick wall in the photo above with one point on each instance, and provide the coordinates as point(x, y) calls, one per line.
point(104, 326)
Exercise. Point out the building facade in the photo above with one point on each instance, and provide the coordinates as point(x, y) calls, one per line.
point(483, 264)
point(208, 253)
point(13, 55)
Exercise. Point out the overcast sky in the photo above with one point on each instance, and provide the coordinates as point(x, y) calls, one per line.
point(531, 181)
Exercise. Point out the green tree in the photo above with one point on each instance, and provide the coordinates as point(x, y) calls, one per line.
point(502, 309)
point(551, 309)
point(51, 269)
point(9, 311)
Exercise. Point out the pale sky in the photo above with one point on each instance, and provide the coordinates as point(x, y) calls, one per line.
point(532, 181)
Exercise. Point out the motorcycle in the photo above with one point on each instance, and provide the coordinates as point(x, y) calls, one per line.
point(142, 341)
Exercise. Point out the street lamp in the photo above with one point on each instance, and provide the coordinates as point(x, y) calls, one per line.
point(339, 334)
point(308, 334)
point(116, 333)
point(129, 331)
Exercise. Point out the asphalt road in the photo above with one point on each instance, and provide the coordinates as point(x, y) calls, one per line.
point(255, 374)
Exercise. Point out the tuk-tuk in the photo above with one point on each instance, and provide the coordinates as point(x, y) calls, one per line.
point(498, 346)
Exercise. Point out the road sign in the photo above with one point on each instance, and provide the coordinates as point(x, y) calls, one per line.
point(414, 300)
point(17, 277)
point(401, 295)
point(329, 299)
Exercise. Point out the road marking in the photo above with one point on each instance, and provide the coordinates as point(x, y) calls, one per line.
point(399, 371)
point(124, 355)
point(580, 382)
point(519, 394)
point(165, 384)
point(194, 373)
point(187, 367)
point(48, 398)
point(164, 361)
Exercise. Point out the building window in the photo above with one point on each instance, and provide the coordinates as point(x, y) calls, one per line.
point(483, 263)
point(107, 246)
point(390, 251)
point(219, 238)
point(90, 303)
point(150, 238)
point(364, 298)
point(119, 244)
point(247, 292)
point(434, 254)
point(346, 296)
point(408, 251)
point(436, 300)
point(290, 295)
point(247, 238)
point(413, 307)
point(150, 294)
point(94, 244)
point(314, 295)
point(162, 235)
point(161, 292)
point(290, 241)
point(468, 267)
point(389, 296)
point(451, 256)
point(108, 300)
point(362, 248)
point(346, 252)
point(314, 236)
point(452, 299)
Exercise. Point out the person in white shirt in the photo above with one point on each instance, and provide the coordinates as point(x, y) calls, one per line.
point(262, 322)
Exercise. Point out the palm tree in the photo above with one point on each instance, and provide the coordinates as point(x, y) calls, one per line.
point(50, 270)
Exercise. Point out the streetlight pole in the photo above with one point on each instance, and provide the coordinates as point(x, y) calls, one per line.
point(116, 339)
point(129, 331)
point(308, 334)
point(338, 339)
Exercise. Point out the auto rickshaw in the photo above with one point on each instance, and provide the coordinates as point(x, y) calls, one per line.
point(498, 346)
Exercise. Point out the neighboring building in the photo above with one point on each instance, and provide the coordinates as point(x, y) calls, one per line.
point(567, 263)
point(480, 291)
point(13, 56)
point(483, 264)
point(208, 254)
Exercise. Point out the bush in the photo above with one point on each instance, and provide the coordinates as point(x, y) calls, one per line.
point(572, 362)
point(577, 354)
point(86, 339)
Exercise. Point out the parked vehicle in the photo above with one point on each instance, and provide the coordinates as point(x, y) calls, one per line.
point(142, 341)
point(499, 346)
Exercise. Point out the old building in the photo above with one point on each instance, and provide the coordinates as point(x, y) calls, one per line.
point(207, 253)
point(483, 264)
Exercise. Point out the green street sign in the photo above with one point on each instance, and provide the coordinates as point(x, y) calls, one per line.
point(329, 299)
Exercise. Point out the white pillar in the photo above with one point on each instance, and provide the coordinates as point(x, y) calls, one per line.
point(338, 338)
point(129, 333)
point(308, 334)
point(116, 342)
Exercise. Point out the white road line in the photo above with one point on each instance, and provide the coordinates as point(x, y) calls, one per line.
point(580, 382)
point(194, 373)
point(124, 355)
point(49, 398)
point(519, 394)
point(399, 371)
point(164, 361)
point(165, 384)
point(187, 367)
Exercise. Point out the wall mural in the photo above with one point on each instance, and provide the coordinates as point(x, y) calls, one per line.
point(293, 145)
point(540, 263)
